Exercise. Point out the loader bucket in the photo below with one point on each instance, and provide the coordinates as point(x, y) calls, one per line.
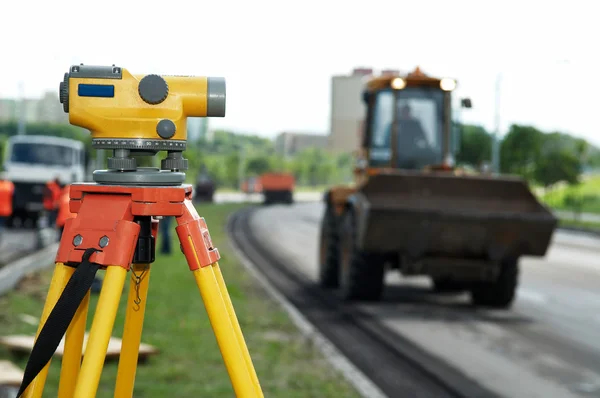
point(441, 214)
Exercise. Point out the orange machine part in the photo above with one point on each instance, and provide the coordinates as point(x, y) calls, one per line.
point(106, 210)
point(64, 211)
point(277, 182)
point(7, 190)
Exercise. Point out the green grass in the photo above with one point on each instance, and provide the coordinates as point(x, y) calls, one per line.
point(584, 225)
point(587, 193)
point(189, 363)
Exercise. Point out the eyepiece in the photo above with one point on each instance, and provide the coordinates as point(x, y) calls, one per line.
point(215, 98)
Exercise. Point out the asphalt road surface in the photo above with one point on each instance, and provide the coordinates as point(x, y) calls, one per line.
point(238, 197)
point(15, 242)
point(546, 346)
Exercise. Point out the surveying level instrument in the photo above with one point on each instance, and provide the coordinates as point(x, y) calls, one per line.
point(116, 226)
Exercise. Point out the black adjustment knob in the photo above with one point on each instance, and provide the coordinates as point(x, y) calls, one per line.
point(153, 89)
point(166, 128)
point(63, 93)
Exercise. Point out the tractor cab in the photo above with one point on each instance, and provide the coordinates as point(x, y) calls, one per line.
point(408, 123)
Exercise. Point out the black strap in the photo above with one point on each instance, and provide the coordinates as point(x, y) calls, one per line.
point(59, 319)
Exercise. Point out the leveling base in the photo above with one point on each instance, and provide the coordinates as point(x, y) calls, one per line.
point(142, 176)
point(115, 227)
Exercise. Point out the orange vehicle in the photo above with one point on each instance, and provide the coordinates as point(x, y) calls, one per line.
point(251, 185)
point(277, 187)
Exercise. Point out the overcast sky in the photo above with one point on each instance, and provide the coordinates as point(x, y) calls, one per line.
point(278, 57)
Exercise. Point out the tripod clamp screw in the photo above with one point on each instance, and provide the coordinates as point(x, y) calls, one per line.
point(77, 240)
point(103, 241)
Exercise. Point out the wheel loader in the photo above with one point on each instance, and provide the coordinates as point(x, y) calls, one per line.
point(410, 209)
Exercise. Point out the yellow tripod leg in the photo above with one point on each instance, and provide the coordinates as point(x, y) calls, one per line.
point(71, 360)
point(61, 276)
point(102, 326)
point(236, 326)
point(224, 332)
point(196, 244)
point(132, 332)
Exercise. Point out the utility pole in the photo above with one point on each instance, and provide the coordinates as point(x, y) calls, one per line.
point(496, 135)
point(22, 110)
point(241, 165)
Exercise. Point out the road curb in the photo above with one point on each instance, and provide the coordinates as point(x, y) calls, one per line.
point(12, 273)
point(580, 230)
point(364, 386)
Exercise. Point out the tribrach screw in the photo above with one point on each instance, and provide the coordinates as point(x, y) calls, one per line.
point(103, 241)
point(77, 240)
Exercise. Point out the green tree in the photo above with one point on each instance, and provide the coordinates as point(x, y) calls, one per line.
point(558, 165)
point(232, 164)
point(520, 150)
point(258, 165)
point(475, 146)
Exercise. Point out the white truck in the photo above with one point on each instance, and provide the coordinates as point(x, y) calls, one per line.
point(30, 161)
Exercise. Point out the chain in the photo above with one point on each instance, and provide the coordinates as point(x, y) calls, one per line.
point(138, 280)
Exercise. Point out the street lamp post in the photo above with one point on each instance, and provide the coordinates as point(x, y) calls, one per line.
point(22, 110)
point(241, 165)
point(496, 135)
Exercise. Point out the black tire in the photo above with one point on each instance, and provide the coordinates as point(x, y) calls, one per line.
point(266, 198)
point(443, 285)
point(289, 199)
point(361, 273)
point(501, 293)
point(329, 246)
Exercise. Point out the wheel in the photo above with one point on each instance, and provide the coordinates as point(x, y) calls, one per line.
point(500, 293)
point(289, 198)
point(361, 273)
point(267, 199)
point(329, 261)
point(444, 285)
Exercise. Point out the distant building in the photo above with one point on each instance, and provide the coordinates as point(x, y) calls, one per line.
point(49, 109)
point(347, 110)
point(288, 144)
point(37, 110)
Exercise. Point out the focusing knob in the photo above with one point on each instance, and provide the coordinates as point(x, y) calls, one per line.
point(63, 93)
point(153, 89)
